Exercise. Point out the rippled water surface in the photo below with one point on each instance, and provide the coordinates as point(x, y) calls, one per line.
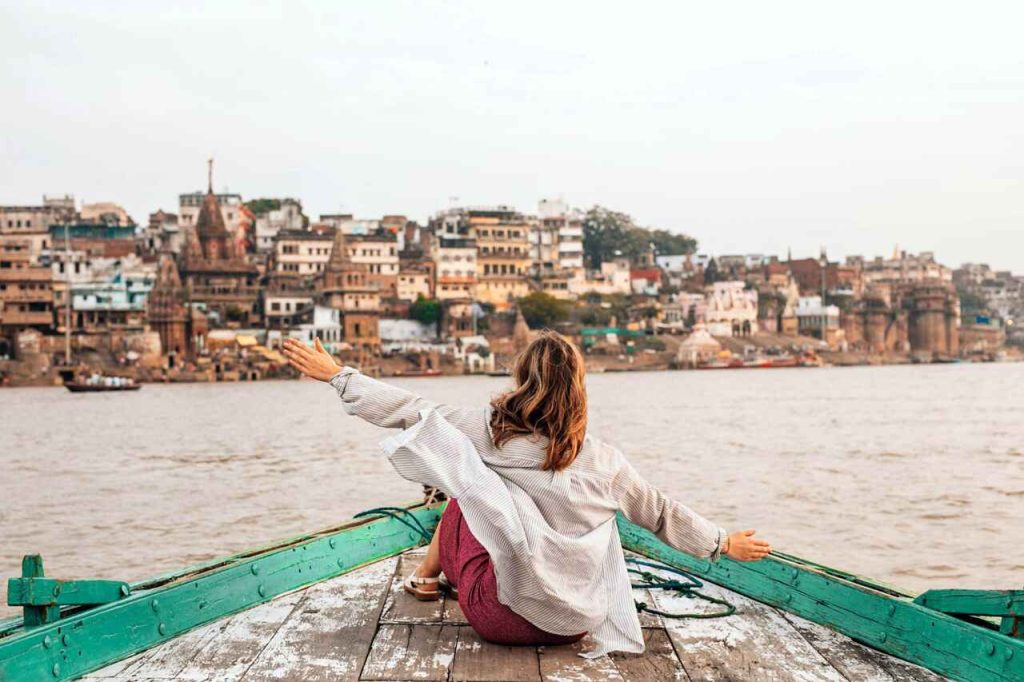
point(912, 475)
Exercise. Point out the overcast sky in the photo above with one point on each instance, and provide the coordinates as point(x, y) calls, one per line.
point(754, 127)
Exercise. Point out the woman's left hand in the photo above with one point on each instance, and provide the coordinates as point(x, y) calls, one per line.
point(315, 362)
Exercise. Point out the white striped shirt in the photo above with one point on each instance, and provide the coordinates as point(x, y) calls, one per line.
point(551, 535)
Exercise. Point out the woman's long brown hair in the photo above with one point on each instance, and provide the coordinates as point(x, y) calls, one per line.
point(550, 400)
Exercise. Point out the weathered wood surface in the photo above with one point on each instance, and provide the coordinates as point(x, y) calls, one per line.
point(328, 635)
point(363, 626)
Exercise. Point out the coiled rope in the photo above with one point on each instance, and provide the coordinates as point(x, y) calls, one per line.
point(688, 587)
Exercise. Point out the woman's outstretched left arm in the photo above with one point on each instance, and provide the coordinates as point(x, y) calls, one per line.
point(679, 526)
point(375, 401)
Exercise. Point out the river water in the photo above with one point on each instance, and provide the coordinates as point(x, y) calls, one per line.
point(913, 475)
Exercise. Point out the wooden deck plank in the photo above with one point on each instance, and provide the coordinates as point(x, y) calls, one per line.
point(400, 606)
point(168, 660)
point(657, 662)
point(480, 661)
point(123, 667)
point(411, 652)
point(328, 635)
point(756, 644)
point(856, 661)
point(244, 636)
point(564, 664)
point(452, 613)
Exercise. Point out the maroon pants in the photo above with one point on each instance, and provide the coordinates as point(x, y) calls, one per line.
point(468, 567)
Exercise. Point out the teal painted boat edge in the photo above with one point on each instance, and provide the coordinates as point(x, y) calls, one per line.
point(896, 625)
point(83, 641)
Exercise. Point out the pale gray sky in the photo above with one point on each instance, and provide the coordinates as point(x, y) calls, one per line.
point(752, 126)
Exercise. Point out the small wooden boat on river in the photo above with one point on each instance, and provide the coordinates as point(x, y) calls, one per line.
point(100, 384)
point(330, 606)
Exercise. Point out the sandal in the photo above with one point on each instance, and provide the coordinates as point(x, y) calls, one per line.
point(412, 586)
point(445, 586)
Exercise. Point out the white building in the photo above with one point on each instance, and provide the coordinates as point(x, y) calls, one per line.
point(731, 309)
point(811, 315)
point(415, 282)
point(455, 260)
point(287, 217)
point(475, 353)
point(612, 278)
point(301, 252)
point(326, 326)
point(566, 239)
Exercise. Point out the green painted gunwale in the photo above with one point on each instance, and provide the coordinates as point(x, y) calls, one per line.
point(159, 609)
point(874, 614)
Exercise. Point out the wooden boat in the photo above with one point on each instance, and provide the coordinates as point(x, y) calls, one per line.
point(83, 387)
point(329, 606)
point(416, 373)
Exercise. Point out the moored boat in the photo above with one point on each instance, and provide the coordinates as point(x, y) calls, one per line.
point(330, 606)
point(99, 384)
point(416, 373)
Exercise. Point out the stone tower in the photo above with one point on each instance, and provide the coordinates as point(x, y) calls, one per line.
point(166, 311)
point(346, 287)
point(934, 320)
point(215, 241)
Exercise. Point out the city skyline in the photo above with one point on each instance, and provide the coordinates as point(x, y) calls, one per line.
point(751, 136)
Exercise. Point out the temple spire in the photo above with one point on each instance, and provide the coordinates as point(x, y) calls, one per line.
point(209, 176)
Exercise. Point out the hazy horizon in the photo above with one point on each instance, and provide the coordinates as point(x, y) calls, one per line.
point(753, 128)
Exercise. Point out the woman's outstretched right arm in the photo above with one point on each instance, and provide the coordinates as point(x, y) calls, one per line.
point(375, 401)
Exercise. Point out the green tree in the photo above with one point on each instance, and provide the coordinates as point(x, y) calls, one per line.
point(542, 310)
point(261, 206)
point(425, 310)
point(608, 233)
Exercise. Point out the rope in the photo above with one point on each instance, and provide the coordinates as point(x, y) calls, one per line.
point(688, 587)
point(402, 516)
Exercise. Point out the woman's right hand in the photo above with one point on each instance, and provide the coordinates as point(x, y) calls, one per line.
point(743, 546)
point(315, 362)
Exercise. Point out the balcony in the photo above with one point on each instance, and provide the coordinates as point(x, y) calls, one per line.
point(502, 255)
point(26, 318)
point(37, 296)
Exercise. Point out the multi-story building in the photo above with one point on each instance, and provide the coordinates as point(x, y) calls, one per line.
point(302, 253)
point(557, 241)
point(455, 262)
point(162, 233)
point(503, 254)
point(902, 268)
point(415, 280)
point(38, 218)
point(379, 253)
point(26, 294)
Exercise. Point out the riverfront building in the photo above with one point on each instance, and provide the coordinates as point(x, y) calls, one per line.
point(217, 276)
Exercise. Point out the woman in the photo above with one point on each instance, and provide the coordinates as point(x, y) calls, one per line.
point(529, 540)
